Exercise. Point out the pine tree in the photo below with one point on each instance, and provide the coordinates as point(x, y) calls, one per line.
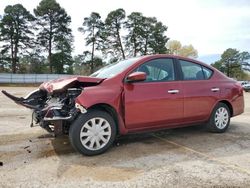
point(16, 32)
point(112, 33)
point(92, 28)
point(54, 31)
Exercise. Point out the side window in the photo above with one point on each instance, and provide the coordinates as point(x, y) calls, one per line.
point(207, 72)
point(158, 70)
point(191, 71)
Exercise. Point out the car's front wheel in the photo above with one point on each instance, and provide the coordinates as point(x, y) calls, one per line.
point(219, 119)
point(92, 133)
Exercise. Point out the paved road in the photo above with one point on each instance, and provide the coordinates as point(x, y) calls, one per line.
point(186, 157)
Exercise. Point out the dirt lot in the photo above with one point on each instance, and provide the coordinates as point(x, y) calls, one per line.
point(186, 157)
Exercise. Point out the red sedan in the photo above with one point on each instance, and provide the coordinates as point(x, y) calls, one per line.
point(139, 94)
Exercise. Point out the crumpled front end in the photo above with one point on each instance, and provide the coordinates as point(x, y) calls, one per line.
point(53, 112)
point(53, 104)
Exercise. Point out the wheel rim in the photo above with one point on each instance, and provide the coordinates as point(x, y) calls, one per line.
point(95, 133)
point(221, 118)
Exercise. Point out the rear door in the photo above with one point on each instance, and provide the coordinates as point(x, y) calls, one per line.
point(200, 92)
point(158, 101)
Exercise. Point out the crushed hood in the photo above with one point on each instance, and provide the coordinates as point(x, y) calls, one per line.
point(61, 84)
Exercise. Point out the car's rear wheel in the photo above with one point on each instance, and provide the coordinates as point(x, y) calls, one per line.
point(220, 118)
point(92, 133)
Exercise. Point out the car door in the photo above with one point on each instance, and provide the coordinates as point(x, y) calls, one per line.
point(200, 92)
point(157, 101)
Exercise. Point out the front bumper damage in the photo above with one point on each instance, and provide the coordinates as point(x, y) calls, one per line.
point(54, 114)
point(20, 100)
point(53, 103)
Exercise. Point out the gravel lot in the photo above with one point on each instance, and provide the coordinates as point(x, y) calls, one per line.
point(185, 157)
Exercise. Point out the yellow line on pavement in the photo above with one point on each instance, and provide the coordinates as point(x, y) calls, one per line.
point(232, 166)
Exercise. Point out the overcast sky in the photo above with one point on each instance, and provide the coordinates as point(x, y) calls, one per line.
point(210, 26)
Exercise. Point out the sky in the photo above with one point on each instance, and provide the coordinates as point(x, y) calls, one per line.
point(211, 26)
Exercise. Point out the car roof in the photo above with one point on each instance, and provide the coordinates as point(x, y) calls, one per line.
point(149, 57)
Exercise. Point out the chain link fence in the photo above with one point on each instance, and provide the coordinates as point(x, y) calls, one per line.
point(28, 78)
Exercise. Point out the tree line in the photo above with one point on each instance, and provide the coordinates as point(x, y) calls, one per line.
point(42, 41)
point(234, 64)
point(27, 37)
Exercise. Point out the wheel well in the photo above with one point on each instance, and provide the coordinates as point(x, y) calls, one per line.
point(229, 106)
point(109, 109)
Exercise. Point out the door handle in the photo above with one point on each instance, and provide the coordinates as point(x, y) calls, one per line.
point(173, 91)
point(215, 89)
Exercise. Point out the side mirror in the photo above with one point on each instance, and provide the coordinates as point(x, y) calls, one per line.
point(136, 77)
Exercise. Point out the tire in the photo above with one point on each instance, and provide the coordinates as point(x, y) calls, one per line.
point(92, 133)
point(219, 119)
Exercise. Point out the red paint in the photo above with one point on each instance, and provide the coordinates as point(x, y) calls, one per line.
point(136, 76)
point(149, 106)
point(61, 84)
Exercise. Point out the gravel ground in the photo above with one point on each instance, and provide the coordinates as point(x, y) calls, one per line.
point(185, 157)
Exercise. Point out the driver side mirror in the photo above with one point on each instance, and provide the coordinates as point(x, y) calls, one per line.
point(136, 77)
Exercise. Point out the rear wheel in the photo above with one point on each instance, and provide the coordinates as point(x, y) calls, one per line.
point(220, 118)
point(92, 133)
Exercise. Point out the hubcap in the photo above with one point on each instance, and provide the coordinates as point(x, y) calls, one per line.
point(95, 133)
point(221, 118)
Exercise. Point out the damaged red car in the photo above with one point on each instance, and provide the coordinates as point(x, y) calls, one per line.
point(140, 94)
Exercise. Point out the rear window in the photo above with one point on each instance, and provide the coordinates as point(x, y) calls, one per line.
point(193, 71)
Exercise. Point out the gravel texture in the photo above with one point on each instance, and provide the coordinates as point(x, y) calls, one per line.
point(185, 157)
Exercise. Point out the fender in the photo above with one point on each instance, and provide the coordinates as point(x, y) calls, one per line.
point(92, 96)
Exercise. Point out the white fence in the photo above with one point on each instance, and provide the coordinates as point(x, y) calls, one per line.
point(28, 78)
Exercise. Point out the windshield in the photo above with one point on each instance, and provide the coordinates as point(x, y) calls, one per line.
point(114, 69)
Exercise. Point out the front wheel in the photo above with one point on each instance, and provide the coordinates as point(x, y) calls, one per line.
point(92, 133)
point(220, 118)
